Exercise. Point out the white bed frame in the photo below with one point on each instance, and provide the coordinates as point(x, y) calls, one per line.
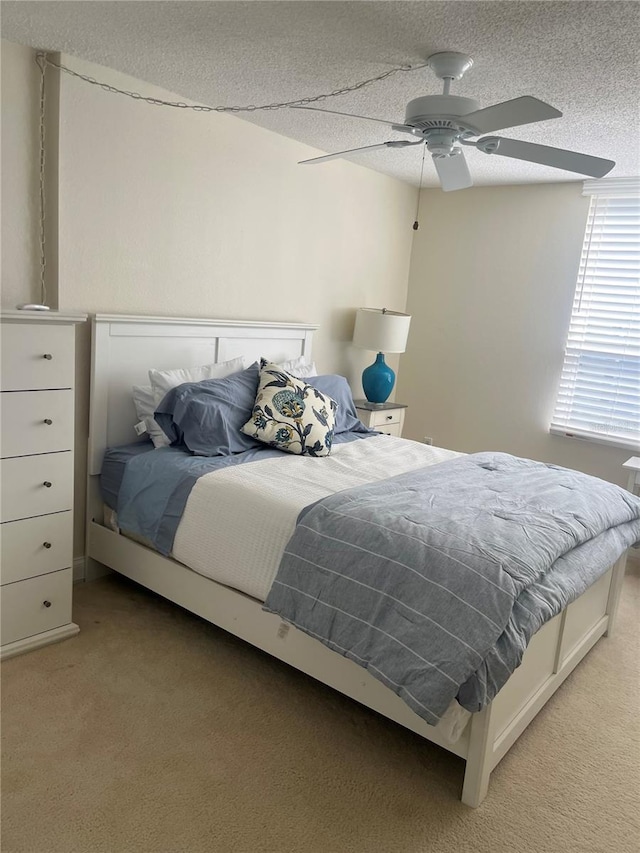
point(123, 349)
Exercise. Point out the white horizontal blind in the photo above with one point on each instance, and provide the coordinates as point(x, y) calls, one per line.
point(599, 394)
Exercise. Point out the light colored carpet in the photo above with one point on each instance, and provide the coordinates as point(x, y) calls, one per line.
point(154, 731)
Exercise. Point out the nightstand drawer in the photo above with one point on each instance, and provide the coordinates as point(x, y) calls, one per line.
point(36, 546)
point(36, 605)
point(36, 422)
point(391, 429)
point(36, 485)
point(385, 417)
point(35, 358)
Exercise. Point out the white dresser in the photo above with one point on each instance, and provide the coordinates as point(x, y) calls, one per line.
point(36, 478)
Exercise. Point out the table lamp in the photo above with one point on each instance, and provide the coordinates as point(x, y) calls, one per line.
point(381, 331)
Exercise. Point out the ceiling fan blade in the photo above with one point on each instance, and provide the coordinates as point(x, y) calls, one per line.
point(403, 128)
point(394, 143)
point(525, 110)
point(572, 161)
point(453, 172)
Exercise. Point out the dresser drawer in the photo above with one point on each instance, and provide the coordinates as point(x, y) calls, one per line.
point(36, 422)
point(35, 605)
point(24, 493)
point(37, 356)
point(35, 546)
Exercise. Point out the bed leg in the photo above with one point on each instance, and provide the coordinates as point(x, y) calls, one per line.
point(478, 769)
point(615, 589)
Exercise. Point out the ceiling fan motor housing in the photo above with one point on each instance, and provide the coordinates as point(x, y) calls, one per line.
point(439, 111)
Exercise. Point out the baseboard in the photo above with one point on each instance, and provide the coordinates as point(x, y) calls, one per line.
point(79, 570)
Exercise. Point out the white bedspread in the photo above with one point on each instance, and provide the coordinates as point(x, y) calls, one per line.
point(238, 521)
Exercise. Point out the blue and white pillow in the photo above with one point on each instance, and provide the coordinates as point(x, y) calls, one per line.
point(291, 415)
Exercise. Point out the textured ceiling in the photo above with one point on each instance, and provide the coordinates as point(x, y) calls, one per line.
point(581, 57)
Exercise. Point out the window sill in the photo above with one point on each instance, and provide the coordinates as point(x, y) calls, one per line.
point(610, 441)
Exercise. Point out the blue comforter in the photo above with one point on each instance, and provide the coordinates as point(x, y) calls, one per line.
point(436, 580)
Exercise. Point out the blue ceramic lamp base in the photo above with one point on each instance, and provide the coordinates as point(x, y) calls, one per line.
point(378, 380)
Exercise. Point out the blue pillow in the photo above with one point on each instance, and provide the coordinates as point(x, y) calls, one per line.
point(337, 387)
point(207, 416)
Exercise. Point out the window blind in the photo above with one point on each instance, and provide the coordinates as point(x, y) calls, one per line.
point(599, 393)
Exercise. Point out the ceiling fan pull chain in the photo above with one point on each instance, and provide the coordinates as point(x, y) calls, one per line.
point(416, 224)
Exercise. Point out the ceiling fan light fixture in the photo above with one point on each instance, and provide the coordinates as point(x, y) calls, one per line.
point(441, 142)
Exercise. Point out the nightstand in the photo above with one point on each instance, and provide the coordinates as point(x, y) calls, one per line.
point(633, 467)
point(387, 418)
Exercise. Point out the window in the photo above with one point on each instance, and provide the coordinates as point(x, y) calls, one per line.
point(599, 394)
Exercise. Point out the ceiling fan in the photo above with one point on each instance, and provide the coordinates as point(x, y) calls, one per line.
point(446, 122)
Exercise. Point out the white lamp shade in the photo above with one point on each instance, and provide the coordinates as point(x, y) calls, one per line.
point(380, 330)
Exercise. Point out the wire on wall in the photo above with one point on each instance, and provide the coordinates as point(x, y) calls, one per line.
point(41, 60)
point(159, 102)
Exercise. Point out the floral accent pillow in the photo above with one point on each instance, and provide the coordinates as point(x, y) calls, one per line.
point(290, 415)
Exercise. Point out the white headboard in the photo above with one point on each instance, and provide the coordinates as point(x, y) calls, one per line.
point(125, 347)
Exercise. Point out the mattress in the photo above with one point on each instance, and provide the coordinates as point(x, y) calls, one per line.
point(238, 520)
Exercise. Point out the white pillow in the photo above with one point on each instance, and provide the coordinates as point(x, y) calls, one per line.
point(145, 407)
point(299, 367)
point(147, 397)
point(162, 381)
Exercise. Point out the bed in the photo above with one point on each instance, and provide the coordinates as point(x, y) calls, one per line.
point(123, 349)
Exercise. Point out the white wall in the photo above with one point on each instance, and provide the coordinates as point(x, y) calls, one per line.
point(19, 197)
point(493, 274)
point(172, 212)
point(195, 214)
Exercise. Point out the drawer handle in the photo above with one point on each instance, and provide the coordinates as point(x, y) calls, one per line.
point(46, 544)
point(47, 603)
point(389, 417)
point(48, 356)
point(48, 421)
point(47, 484)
